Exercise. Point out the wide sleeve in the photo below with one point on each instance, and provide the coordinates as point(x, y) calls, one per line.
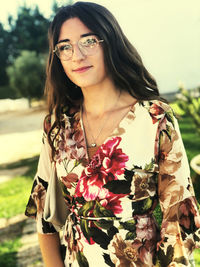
point(180, 229)
point(36, 202)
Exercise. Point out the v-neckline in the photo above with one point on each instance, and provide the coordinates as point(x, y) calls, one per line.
point(112, 133)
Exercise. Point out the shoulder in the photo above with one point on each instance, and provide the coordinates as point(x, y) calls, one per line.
point(158, 109)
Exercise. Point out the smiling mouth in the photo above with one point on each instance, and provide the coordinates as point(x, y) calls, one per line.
point(83, 69)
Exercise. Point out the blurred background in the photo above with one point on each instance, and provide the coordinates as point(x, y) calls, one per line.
point(166, 35)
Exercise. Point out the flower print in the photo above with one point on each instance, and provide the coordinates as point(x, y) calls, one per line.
point(186, 209)
point(69, 143)
point(145, 228)
point(107, 163)
point(189, 244)
point(123, 253)
point(134, 253)
point(170, 161)
point(170, 192)
point(39, 195)
point(70, 179)
point(112, 202)
point(142, 185)
point(156, 112)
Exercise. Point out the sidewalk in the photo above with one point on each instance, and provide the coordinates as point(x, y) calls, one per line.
point(29, 253)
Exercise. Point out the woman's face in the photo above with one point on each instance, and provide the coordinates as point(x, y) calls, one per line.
point(82, 69)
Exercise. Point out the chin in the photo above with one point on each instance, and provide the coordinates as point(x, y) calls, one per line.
point(84, 84)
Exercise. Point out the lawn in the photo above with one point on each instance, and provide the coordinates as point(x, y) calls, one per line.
point(14, 193)
point(8, 251)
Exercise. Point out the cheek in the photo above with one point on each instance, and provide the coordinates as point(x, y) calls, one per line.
point(67, 71)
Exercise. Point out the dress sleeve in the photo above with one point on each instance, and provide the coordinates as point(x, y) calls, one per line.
point(36, 202)
point(180, 229)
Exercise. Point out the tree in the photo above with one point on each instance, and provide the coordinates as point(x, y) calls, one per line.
point(189, 102)
point(29, 31)
point(55, 7)
point(27, 75)
point(4, 52)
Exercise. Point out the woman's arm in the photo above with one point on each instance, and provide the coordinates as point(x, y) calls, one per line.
point(50, 248)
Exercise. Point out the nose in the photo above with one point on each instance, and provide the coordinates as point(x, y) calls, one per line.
point(77, 54)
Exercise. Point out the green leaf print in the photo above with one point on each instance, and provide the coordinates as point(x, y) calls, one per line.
point(182, 260)
point(108, 260)
point(82, 261)
point(80, 200)
point(119, 186)
point(104, 224)
point(149, 167)
point(170, 117)
point(100, 211)
point(147, 203)
point(112, 231)
point(85, 229)
point(130, 236)
point(165, 259)
point(83, 211)
point(128, 175)
point(100, 237)
point(142, 206)
point(128, 225)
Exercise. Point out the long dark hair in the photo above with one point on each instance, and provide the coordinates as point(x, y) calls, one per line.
point(122, 61)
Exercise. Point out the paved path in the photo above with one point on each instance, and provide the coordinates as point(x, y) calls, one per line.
point(29, 254)
point(20, 134)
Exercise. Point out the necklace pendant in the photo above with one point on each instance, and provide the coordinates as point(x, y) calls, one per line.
point(93, 145)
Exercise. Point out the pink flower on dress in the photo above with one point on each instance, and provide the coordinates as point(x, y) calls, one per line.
point(112, 202)
point(108, 162)
point(145, 228)
point(69, 143)
point(156, 112)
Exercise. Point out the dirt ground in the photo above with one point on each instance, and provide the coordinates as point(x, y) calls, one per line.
point(20, 137)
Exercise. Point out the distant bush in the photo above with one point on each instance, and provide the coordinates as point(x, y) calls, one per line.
point(27, 75)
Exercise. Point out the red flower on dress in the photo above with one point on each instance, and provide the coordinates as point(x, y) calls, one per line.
point(107, 163)
point(112, 202)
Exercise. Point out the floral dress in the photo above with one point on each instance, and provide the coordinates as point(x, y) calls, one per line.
point(111, 199)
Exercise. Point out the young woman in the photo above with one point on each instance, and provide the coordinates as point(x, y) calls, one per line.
point(111, 152)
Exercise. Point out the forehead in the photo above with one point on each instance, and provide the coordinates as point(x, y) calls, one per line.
point(73, 29)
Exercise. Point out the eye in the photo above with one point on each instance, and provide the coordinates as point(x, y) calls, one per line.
point(89, 42)
point(64, 47)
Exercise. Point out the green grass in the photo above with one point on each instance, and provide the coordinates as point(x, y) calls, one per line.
point(197, 257)
point(13, 196)
point(14, 193)
point(190, 137)
point(8, 252)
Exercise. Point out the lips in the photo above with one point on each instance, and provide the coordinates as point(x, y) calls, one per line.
point(82, 69)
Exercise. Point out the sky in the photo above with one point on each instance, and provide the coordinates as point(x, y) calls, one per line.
point(166, 34)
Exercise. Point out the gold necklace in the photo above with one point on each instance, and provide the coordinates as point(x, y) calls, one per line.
point(94, 143)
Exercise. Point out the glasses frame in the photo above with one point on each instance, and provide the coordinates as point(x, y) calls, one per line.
point(56, 51)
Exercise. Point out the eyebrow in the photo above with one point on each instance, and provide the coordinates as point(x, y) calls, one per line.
point(82, 35)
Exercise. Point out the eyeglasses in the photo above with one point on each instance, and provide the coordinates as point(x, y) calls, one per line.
point(88, 46)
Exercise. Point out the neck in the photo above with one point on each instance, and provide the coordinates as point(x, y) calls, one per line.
point(99, 99)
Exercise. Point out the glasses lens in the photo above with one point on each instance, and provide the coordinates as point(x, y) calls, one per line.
point(64, 50)
point(88, 45)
